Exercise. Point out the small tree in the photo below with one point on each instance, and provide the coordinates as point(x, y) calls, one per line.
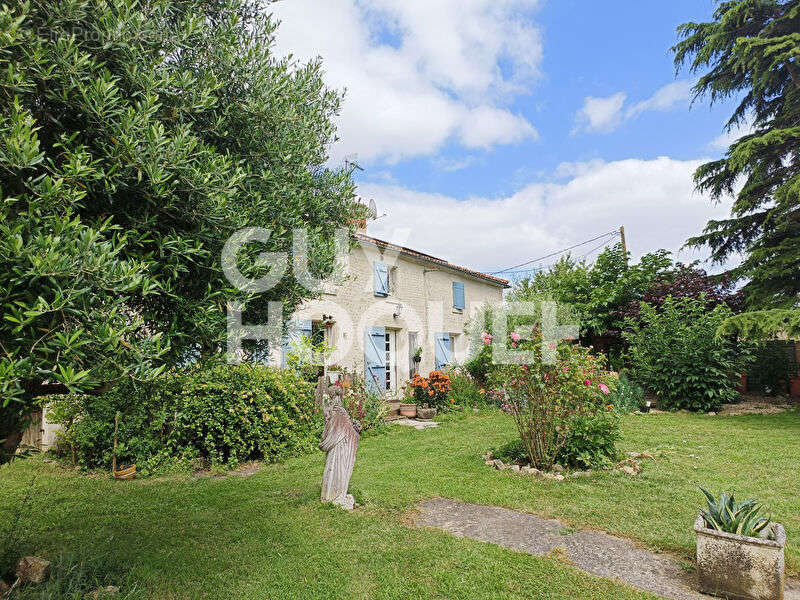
point(676, 354)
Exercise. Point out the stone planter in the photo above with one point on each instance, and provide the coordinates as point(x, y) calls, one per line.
point(408, 410)
point(739, 567)
point(426, 414)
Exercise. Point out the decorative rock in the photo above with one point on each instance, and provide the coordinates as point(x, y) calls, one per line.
point(553, 476)
point(32, 569)
point(557, 468)
point(498, 464)
point(515, 468)
point(641, 455)
point(109, 590)
point(580, 473)
point(628, 470)
point(526, 470)
point(712, 414)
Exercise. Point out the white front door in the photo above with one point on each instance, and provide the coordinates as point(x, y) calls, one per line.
point(391, 360)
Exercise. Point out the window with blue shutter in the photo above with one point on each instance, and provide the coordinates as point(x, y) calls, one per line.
point(458, 295)
point(295, 329)
point(375, 358)
point(380, 278)
point(442, 350)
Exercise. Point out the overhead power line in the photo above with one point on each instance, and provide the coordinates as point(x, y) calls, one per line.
point(534, 260)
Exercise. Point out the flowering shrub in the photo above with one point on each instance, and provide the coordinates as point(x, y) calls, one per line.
point(550, 403)
point(433, 390)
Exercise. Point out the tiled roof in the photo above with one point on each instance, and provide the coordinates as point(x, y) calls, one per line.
point(432, 259)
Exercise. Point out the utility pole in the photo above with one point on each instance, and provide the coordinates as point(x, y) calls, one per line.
point(622, 239)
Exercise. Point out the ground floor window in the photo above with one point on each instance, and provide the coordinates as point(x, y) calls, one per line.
point(390, 359)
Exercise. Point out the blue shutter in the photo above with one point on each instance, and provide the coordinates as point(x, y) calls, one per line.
point(375, 358)
point(458, 295)
point(295, 329)
point(442, 350)
point(380, 279)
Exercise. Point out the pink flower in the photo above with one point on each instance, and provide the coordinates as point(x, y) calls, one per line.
point(604, 388)
point(552, 345)
point(515, 336)
point(587, 382)
point(487, 338)
point(565, 368)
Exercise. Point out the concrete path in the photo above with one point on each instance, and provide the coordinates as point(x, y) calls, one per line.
point(592, 551)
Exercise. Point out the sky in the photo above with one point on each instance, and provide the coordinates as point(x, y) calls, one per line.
point(494, 132)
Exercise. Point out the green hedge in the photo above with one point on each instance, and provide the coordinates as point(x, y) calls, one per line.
point(220, 415)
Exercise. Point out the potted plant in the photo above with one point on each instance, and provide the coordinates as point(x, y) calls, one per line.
point(408, 410)
point(740, 550)
point(417, 354)
point(425, 413)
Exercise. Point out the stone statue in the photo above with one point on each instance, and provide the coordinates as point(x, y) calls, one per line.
point(340, 440)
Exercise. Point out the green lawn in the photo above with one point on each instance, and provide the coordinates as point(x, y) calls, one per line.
point(267, 536)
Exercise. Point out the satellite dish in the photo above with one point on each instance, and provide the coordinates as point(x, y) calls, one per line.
point(373, 210)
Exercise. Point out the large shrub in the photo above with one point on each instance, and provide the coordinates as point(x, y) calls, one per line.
point(555, 404)
point(676, 355)
point(222, 415)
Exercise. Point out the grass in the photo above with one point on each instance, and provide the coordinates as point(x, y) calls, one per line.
point(267, 536)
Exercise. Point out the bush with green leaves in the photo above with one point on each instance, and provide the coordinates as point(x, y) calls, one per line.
point(628, 396)
point(464, 390)
point(221, 414)
point(591, 440)
point(746, 518)
point(677, 356)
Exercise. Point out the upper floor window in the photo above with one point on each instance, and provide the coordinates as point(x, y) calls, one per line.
point(380, 279)
point(458, 295)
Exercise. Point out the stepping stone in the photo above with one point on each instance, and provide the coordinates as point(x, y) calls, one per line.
point(414, 423)
point(598, 553)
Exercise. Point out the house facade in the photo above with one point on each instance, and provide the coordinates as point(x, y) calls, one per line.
point(394, 303)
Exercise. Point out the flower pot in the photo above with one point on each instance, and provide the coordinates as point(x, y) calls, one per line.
point(739, 567)
point(646, 407)
point(408, 410)
point(426, 414)
point(417, 359)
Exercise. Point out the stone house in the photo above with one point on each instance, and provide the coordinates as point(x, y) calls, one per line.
point(395, 302)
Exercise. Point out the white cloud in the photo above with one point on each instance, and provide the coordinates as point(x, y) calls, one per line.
point(654, 199)
point(601, 115)
point(439, 80)
point(604, 115)
point(665, 98)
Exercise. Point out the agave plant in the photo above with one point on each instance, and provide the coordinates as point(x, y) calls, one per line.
point(726, 514)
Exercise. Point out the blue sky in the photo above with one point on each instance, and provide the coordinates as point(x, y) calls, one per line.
point(492, 132)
